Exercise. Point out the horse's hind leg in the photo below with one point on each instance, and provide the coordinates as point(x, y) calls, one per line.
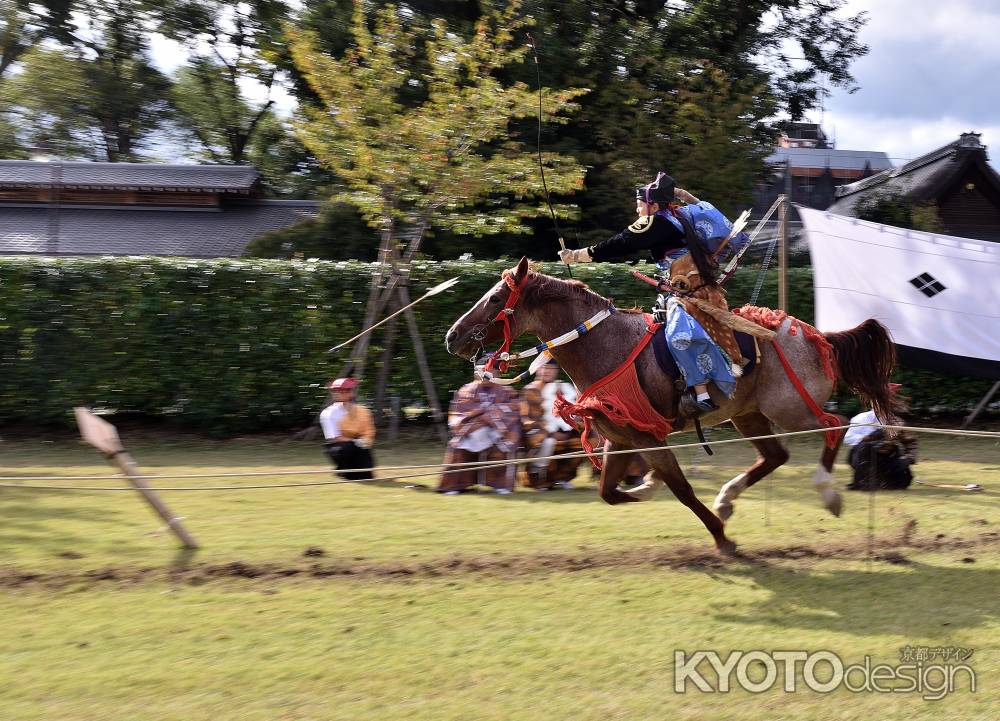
point(666, 468)
point(770, 455)
point(823, 477)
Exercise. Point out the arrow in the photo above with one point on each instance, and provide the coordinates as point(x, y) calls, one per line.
point(439, 288)
point(739, 225)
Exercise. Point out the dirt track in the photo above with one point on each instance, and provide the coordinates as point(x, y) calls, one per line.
point(886, 549)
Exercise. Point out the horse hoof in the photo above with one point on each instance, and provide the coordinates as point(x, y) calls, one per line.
point(726, 548)
point(834, 503)
point(645, 492)
point(724, 511)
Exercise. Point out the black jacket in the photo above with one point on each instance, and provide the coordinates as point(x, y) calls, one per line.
point(653, 233)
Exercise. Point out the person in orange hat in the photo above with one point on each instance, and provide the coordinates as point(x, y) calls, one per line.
point(349, 431)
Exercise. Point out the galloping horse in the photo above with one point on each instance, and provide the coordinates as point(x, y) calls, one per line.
point(525, 301)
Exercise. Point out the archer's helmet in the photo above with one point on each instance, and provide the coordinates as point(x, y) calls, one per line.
point(659, 191)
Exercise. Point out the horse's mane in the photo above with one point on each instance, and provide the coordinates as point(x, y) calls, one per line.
point(544, 288)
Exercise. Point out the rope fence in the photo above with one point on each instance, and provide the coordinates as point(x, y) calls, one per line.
point(6, 481)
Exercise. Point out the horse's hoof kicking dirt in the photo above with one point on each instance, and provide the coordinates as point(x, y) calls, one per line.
point(835, 504)
point(726, 548)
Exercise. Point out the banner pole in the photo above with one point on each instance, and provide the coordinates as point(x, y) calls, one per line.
point(783, 257)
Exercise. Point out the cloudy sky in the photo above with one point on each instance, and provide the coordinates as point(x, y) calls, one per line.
point(933, 71)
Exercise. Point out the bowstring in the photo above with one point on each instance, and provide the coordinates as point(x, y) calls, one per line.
point(541, 165)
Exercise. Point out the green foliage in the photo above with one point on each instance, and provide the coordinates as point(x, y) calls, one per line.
point(213, 109)
point(437, 161)
point(100, 97)
point(899, 210)
point(231, 43)
point(337, 233)
point(233, 346)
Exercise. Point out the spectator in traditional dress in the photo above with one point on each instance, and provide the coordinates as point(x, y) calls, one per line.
point(546, 434)
point(349, 431)
point(484, 420)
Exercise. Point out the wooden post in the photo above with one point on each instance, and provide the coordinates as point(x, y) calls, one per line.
point(104, 437)
point(396, 415)
point(979, 406)
point(425, 371)
point(783, 254)
point(385, 372)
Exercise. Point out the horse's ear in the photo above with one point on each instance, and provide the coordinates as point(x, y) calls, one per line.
point(521, 270)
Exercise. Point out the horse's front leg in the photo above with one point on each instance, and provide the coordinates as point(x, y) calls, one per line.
point(666, 468)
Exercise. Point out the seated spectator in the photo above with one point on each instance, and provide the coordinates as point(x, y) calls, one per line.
point(485, 424)
point(546, 434)
point(349, 431)
point(880, 458)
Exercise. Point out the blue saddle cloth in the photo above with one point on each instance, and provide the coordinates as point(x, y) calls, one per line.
point(665, 359)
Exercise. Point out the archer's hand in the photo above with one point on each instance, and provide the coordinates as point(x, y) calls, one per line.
point(581, 255)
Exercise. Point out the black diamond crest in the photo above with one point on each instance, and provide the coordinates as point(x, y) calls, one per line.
point(927, 284)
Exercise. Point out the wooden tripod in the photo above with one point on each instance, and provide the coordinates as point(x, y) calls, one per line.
point(389, 292)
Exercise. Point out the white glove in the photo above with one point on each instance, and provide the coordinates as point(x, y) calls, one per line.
point(580, 255)
point(362, 443)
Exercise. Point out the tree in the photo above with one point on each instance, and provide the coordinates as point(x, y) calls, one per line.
point(232, 44)
point(897, 209)
point(644, 60)
point(424, 141)
point(213, 109)
point(432, 162)
point(99, 96)
point(24, 24)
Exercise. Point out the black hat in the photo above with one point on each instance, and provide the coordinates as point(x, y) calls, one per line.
point(659, 191)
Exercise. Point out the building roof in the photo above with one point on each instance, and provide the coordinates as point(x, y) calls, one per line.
point(922, 178)
point(106, 230)
point(830, 158)
point(240, 179)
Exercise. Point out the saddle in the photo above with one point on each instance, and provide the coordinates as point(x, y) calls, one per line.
point(746, 343)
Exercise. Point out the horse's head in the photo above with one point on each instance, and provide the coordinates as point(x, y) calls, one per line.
point(483, 324)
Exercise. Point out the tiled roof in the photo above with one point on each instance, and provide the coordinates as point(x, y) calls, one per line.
point(829, 158)
point(137, 231)
point(128, 176)
point(921, 178)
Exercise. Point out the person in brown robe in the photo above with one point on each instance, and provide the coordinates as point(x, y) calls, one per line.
point(484, 420)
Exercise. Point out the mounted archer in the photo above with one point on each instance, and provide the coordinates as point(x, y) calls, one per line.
point(686, 243)
point(630, 399)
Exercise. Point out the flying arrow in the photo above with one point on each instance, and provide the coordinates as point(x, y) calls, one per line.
point(439, 288)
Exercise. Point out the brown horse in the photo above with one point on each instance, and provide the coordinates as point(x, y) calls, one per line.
point(548, 307)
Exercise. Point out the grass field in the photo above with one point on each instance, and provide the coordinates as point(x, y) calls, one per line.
point(535, 606)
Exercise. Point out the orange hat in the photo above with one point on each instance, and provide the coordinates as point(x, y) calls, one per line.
point(342, 384)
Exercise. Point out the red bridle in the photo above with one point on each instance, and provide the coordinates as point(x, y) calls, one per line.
point(505, 315)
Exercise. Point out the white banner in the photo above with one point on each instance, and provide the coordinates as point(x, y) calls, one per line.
point(937, 293)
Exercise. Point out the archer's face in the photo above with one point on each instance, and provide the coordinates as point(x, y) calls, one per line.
point(643, 208)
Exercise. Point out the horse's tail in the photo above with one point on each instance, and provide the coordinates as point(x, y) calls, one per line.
point(866, 357)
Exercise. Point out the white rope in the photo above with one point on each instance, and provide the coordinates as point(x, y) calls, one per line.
point(450, 467)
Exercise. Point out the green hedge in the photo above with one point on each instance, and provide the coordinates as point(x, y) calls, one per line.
point(233, 346)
